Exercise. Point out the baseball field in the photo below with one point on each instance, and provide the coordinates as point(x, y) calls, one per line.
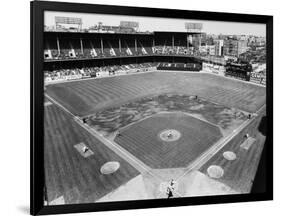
point(87, 97)
point(70, 176)
point(146, 122)
point(143, 140)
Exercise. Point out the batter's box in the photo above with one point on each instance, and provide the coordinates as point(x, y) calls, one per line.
point(84, 150)
point(165, 187)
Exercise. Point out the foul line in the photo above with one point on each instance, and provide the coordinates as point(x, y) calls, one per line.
point(216, 147)
point(103, 139)
point(127, 156)
point(139, 165)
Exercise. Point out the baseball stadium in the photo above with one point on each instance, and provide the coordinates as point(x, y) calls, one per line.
point(129, 115)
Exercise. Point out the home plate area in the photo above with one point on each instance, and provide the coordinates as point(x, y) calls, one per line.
point(168, 187)
point(168, 140)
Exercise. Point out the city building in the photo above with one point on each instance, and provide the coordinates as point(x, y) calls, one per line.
point(233, 47)
point(218, 47)
point(207, 50)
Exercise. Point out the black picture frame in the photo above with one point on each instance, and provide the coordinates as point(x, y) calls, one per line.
point(264, 177)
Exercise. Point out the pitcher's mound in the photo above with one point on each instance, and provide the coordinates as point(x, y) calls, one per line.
point(110, 167)
point(169, 135)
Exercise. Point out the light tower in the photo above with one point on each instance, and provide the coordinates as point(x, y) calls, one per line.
point(192, 30)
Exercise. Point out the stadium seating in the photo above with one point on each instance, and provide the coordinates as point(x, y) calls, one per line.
point(169, 50)
point(92, 48)
point(87, 72)
point(144, 47)
point(128, 47)
point(75, 49)
point(50, 49)
point(111, 48)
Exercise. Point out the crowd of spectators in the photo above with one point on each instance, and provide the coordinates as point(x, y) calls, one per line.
point(176, 50)
point(87, 53)
point(109, 52)
point(87, 72)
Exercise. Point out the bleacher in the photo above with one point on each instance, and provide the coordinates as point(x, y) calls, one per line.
point(51, 76)
point(65, 52)
point(144, 47)
point(50, 49)
point(88, 49)
point(91, 49)
point(67, 47)
point(128, 47)
point(176, 50)
point(108, 48)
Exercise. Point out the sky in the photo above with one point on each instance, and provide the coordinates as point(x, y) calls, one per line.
point(162, 24)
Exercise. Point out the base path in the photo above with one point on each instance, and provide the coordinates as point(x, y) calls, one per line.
point(114, 147)
point(168, 140)
point(206, 156)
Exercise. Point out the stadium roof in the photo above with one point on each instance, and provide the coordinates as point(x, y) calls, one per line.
point(176, 32)
point(125, 33)
point(97, 33)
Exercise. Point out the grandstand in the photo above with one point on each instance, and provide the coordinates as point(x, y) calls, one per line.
point(175, 50)
point(99, 45)
point(102, 54)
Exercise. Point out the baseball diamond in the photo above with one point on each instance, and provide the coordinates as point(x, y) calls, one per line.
point(142, 140)
point(190, 126)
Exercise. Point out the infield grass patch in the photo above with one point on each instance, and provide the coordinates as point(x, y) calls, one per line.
point(143, 141)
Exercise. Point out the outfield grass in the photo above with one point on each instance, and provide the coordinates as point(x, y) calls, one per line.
point(142, 140)
point(88, 96)
point(70, 175)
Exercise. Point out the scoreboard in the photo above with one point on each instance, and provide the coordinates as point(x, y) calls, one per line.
point(194, 27)
point(68, 21)
point(129, 24)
